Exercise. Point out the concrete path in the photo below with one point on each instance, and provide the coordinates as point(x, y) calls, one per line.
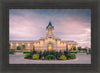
point(82, 58)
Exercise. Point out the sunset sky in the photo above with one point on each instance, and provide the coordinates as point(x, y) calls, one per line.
point(69, 24)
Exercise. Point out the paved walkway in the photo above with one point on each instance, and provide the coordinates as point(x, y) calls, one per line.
point(19, 59)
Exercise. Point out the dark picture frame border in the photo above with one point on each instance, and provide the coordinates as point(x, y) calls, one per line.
point(49, 67)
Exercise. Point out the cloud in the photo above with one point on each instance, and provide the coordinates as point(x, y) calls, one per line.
point(69, 24)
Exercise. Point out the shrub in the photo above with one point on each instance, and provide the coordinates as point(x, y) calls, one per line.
point(74, 48)
point(57, 58)
point(43, 58)
point(34, 52)
point(79, 48)
point(11, 52)
point(84, 51)
point(47, 53)
point(40, 52)
point(18, 48)
point(63, 57)
point(73, 55)
point(29, 55)
point(65, 53)
point(43, 55)
point(23, 47)
point(50, 57)
point(57, 54)
point(26, 55)
point(60, 52)
point(52, 53)
point(40, 56)
point(35, 56)
point(69, 56)
point(70, 50)
point(26, 52)
point(88, 53)
point(73, 52)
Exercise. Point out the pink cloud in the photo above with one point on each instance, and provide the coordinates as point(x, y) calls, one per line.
point(31, 25)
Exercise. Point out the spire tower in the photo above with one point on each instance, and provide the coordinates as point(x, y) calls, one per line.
point(50, 30)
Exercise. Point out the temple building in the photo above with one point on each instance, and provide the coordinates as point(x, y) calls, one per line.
point(50, 42)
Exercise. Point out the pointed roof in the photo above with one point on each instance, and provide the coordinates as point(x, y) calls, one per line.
point(50, 24)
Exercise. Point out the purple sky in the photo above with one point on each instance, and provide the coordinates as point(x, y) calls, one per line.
point(69, 24)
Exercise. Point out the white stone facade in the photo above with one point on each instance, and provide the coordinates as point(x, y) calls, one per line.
point(47, 43)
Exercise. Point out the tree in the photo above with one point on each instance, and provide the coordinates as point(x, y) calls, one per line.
point(79, 48)
point(70, 50)
point(18, 48)
point(23, 47)
point(89, 50)
point(33, 48)
point(67, 48)
point(74, 48)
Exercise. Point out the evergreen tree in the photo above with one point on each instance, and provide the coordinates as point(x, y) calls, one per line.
point(79, 48)
point(74, 48)
point(18, 48)
point(23, 47)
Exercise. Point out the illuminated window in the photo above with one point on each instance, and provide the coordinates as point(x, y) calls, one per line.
point(61, 44)
point(17, 44)
point(41, 42)
point(28, 44)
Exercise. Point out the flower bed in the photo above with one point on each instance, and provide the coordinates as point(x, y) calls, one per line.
point(28, 56)
point(49, 56)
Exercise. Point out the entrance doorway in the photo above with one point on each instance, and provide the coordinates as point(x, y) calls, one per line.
point(50, 47)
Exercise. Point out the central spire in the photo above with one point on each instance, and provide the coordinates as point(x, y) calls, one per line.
point(50, 30)
point(50, 24)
